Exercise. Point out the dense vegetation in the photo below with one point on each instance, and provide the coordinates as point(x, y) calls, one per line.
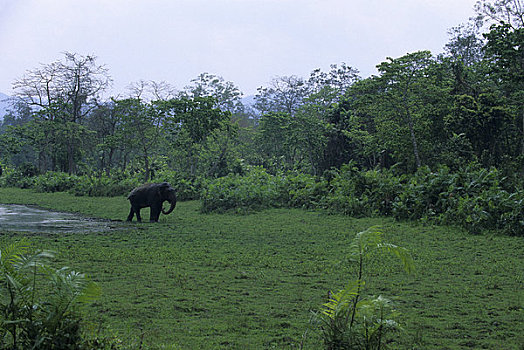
point(460, 106)
point(433, 138)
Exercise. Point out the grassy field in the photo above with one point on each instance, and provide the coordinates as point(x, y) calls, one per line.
point(250, 282)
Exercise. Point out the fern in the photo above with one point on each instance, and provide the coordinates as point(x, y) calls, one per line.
point(340, 303)
point(349, 319)
point(38, 303)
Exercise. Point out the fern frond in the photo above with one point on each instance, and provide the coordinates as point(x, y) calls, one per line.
point(402, 253)
point(11, 253)
point(342, 300)
point(366, 240)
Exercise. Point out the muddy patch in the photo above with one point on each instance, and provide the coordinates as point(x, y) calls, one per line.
point(15, 217)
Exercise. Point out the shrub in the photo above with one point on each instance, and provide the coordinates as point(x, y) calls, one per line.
point(255, 190)
point(301, 190)
point(352, 320)
point(187, 188)
point(14, 177)
point(359, 193)
point(421, 193)
point(54, 181)
point(103, 186)
point(39, 306)
point(473, 197)
point(258, 189)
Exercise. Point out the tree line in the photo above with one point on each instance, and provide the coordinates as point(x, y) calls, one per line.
point(461, 106)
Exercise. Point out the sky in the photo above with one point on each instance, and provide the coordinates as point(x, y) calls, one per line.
point(247, 42)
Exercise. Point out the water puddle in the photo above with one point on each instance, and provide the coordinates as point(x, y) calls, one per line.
point(15, 217)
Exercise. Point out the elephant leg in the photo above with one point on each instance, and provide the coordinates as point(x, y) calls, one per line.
point(131, 214)
point(155, 213)
point(153, 216)
point(138, 217)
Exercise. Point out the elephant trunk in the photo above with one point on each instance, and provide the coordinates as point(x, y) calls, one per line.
point(172, 201)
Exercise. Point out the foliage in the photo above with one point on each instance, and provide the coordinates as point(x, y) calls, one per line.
point(257, 189)
point(472, 197)
point(420, 109)
point(187, 188)
point(350, 320)
point(103, 186)
point(61, 94)
point(39, 305)
point(357, 193)
point(97, 185)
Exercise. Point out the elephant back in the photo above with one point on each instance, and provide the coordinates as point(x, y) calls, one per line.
point(146, 188)
point(138, 190)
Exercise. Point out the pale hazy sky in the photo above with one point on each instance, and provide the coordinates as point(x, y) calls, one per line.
point(248, 42)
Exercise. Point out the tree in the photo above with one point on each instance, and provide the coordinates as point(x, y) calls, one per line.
point(225, 93)
point(353, 132)
point(465, 45)
point(189, 123)
point(404, 82)
point(150, 90)
point(284, 94)
point(505, 52)
point(326, 88)
point(106, 123)
point(302, 109)
point(275, 140)
point(64, 92)
point(142, 129)
point(509, 12)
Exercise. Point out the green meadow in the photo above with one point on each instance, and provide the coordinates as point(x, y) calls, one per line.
point(254, 281)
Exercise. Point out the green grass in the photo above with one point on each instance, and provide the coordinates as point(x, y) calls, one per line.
point(251, 281)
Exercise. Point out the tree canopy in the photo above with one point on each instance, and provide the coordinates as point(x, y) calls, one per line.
point(463, 105)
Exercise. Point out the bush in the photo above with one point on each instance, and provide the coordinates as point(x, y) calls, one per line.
point(40, 306)
point(352, 320)
point(420, 195)
point(103, 186)
point(303, 191)
point(473, 197)
point(187, 188)
point(14, 177)
point(258, 189)
point(253, 191)
point(54, 181)
point(359, 193)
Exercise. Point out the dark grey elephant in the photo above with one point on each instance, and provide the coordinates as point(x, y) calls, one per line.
point(153, 196)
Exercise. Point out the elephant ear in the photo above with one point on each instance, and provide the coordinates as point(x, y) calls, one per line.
point(163, 187)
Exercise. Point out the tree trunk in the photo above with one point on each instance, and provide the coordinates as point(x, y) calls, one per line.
point(192, 161)
point(147, 169)
point(414, 142)
point(522, 141)
point(109, 162)
point(413, 137)
point(70, 157)
point(217, 162)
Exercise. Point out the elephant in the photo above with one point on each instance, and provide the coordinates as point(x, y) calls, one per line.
point(151, 195)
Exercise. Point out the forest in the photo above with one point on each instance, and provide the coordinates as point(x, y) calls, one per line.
point(456, 118)
point(321, 179)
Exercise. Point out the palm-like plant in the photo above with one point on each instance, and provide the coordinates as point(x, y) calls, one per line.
point(38, 304)
point(351, 321)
